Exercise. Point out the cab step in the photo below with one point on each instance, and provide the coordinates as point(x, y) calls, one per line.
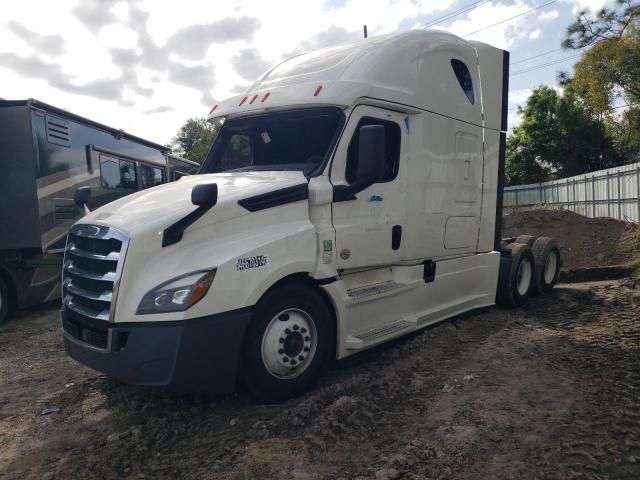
point(365, 339)
point(378, 290)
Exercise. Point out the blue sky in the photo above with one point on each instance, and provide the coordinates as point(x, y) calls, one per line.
point(146, 66)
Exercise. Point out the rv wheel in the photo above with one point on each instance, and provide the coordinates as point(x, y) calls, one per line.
point(287, 344)
point(4, 301)
point(516, 277)
point(547, 254)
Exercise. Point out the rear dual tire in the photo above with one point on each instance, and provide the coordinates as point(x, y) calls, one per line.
point(517, 275)
point(546, 251)
point(4, 301)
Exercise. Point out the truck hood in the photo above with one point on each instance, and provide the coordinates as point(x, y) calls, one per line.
point(159, 207)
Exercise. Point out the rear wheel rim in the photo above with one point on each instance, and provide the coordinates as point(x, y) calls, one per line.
point(289, 343)
point(550, 267)
point(523, 276)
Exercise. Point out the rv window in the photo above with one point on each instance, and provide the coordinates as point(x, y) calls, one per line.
point(116, 173)
point(464, 78)
point(151, 176)
point(237, 153)
point(392, 149)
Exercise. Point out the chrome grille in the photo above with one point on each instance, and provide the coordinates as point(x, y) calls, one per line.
point(93, 261)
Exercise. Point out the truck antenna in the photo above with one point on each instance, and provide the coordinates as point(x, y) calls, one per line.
point(365, 31)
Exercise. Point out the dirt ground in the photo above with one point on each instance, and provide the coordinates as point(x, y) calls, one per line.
point(585, 242)
point(551, 390)
point(547, 391)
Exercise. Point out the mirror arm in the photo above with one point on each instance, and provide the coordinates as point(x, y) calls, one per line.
point(344, 193)
point(173, 234)
point(204, 196)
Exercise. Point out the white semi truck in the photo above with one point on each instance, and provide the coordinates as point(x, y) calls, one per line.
point(352, 196)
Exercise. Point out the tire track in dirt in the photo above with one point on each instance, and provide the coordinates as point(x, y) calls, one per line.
point(547, 391)
point(606, 353)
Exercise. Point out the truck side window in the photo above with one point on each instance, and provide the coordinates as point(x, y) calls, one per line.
point(237, 153)
point(464, 78)
point(392, 149)
point(151, 176)
point(117, 173)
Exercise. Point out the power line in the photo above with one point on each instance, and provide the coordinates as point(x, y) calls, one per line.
point(456, 13)
point(536, 67)
point(536, 56)
point(511, 18)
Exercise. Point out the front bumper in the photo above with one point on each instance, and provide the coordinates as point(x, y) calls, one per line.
point(195, 356)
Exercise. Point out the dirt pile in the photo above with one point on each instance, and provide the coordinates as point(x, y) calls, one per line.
point(585, 242)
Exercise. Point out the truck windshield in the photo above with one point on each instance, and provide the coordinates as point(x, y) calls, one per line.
point(293, 140)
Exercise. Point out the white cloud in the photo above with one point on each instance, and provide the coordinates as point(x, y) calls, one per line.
point(535, 34)
point(592, 5)
point(121, 11)
point(146, 66)
point(548, 16)
point(517, 98)
point(118, 36)
point(503, 35)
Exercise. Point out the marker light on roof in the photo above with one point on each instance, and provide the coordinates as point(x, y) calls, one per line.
point(266, 95)
point(318, 90)
point(242, 101)
point(253, 99)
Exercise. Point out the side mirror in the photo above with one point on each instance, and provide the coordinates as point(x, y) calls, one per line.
point(205, 195)
point(371, 150)
point(81, 196)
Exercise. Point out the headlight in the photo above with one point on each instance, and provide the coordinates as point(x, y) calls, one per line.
point(177, 294)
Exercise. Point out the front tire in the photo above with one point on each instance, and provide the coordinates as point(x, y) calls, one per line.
point(287, 345)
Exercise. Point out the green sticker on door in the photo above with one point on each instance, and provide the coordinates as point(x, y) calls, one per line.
point(327, 251)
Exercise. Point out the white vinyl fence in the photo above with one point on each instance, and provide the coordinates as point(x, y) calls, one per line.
point(614, 193)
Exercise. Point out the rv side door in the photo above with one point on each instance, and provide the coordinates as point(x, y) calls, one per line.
point(369, 220)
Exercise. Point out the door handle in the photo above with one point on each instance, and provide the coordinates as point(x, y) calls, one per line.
point(396, 237)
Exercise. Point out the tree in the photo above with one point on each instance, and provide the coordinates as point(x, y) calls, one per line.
point(610, 68)
point(625, 132)
point(194, 139)
point(558, 137)
point(607, 24)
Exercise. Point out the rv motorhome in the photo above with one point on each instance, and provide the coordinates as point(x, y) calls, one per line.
point(352, 196)
point(46, 154)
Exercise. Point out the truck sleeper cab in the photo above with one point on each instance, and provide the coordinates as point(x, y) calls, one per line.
point(352, 195)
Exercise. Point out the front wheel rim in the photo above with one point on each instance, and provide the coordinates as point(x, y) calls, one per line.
point(289, 343)
point(523, 276)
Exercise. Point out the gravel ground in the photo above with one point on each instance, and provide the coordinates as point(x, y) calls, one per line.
point(551, 390)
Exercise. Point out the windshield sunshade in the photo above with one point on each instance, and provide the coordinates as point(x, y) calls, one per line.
point(299, 140)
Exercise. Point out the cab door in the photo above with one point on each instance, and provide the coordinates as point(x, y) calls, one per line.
point(369, 219)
